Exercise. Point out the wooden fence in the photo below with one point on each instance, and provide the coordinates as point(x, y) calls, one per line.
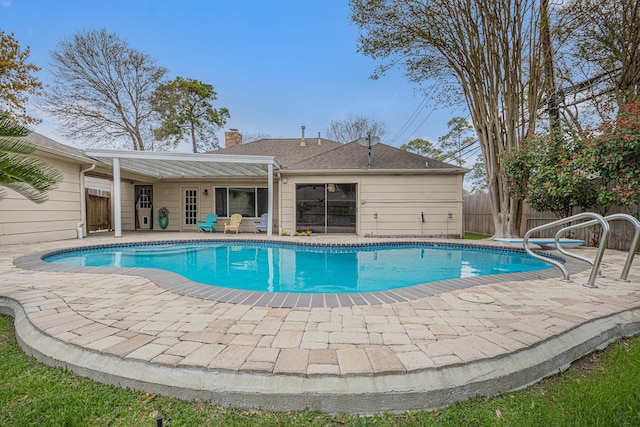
point(98, 210)
point(478, 219)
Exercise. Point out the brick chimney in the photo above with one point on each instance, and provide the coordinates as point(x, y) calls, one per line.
point(232, 138)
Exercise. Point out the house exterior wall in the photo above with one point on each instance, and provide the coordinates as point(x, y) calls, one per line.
point(22, 221)
point(392, 205)
point(170, 194)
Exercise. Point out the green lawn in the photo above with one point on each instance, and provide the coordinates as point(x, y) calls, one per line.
point(475, 236)
point(600, 390)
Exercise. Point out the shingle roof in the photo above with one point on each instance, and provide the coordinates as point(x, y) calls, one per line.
point(355, 156)
point(332, 155)
point(288, 150)
point(43, 143)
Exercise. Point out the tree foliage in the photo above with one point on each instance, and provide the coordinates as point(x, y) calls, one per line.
point(102, 88)
point(16, 79)
point(593, 170)
point(355, 127)
point(460, 135)
point(26, 175)
point(492, 51)
point(424, 148)
point(185, 109)
point(604, 37)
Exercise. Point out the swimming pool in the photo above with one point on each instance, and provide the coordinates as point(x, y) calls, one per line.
point(303, 268)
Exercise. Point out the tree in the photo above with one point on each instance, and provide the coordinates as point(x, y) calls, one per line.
point(460, 135)
point(424, 148)
point(355, 127)
point(16, 80)
point(593, 169)
point(478, 177)
point(605, 39)
point(102, 88)
point(184, 106)
point(489, 49)
point(28, 176)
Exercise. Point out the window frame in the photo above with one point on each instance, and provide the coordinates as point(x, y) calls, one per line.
point(228, 188)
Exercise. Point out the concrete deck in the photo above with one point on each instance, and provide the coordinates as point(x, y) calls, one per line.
point(419, 353)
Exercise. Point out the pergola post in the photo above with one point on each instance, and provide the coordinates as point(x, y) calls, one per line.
point(117, 199)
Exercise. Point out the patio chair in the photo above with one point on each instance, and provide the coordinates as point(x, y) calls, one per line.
point(263, 224)
point(208, 223)
point(233, 223)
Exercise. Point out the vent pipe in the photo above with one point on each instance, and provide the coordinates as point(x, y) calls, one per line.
point(319, 140)
point(302, 144)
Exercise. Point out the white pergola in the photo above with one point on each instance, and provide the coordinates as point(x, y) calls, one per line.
point(184, 166)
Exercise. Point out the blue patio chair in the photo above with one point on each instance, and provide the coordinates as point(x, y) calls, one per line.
point(263, 224)
point(208, 223)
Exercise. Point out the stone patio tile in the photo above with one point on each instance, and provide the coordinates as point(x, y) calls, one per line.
point(105, 342)
point(66, 327)
point(268, 327)
point(348, 338)
point(167, 359)
point(131, 344)
point(385, 328)
point(203, 356)
point(524, 338)
point(204, 337)
point(442, 330)
point(194, 327)
point(441, 361)
point(393, 338)
point(531, 329)
point(297, 316)
point(147, 352)
point(264, 355)
point(257, 367)
point(183, 348)
point(293, 326)
point(95, 335)
point(384, 361)
point(415, 361)
point(242, 328)
point(287, 339)
point(231, 358)
point(246, 340)
point(503, 341)
point(353, 361)
point(323, 357)
point(323, 370)
point(292, 361)
point(460, 347)
point(255, 314)
point(419, 332)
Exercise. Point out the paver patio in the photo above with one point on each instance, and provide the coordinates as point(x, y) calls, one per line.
point(421, 353)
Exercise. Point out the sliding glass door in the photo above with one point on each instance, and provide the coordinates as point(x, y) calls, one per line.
point(326, 208)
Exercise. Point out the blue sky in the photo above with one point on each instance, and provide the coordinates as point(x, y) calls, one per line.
point(276, 65)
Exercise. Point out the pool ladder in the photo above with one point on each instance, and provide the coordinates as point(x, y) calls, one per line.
point(595, 263)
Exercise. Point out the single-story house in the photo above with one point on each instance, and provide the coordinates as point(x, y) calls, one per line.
point(302, 183)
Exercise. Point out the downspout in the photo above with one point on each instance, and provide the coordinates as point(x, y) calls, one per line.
point(279, 204)
point(83, 202)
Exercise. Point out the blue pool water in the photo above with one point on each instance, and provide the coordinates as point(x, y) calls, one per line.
point(272, 267)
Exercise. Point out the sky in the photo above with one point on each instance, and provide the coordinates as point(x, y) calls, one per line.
point(276, 65)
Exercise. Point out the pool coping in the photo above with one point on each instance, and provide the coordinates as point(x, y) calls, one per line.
point(181, 285)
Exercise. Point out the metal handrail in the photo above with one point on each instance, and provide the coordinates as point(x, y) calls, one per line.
point(632, 249)
point(595, 218)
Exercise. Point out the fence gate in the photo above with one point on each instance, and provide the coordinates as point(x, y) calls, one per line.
point(98, 209)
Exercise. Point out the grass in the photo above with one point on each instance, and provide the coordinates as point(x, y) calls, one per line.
point(475, 236)
point(602, 389)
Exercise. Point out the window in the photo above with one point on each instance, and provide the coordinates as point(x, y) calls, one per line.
point(247, 201)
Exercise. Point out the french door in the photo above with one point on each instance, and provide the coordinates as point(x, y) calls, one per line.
point(190, 208)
